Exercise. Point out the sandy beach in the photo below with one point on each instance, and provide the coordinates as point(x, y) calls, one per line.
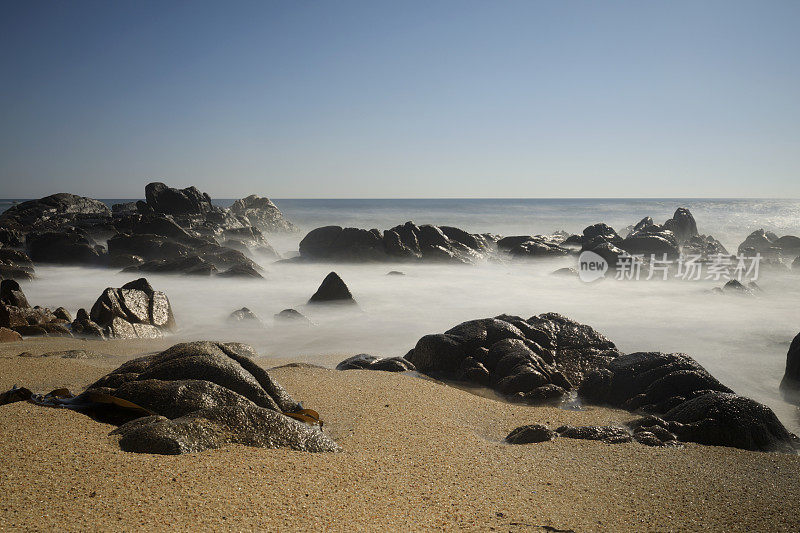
point(417, 454)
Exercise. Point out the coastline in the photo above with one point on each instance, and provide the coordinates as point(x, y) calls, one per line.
point(417, 454)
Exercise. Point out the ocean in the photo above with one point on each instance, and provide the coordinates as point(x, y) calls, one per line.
point(740, 340)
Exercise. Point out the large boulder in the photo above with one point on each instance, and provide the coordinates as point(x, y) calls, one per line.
point(760, 241)
point(531, 360)
point(682, 225)
point(649, 381)
point(204, 395)
point(332, 290)
point(791, 376)
point(133, 311)
point(603, 232)
point(693, 404)
point(169, 201)
point(261, 213)
point(652, 240)
point(65, 247)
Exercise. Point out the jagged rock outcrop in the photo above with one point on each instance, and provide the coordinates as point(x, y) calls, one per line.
point(533, 246)
point(133, 311)
point(332, 290)
point(261, 213)
point(56, 213)
point(530, 360)
point(370, 362)
point(15, 264)
point(18, 315)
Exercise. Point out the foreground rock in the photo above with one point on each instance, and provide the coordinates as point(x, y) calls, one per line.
point(194, 397)
point(408, 242)
point(18, 315)
point(332, 290)
point(370, 362)
point(133, 311)
point(530, 360)
point(693, 404)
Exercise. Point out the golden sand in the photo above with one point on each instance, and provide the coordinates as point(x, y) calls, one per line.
point(417, 455)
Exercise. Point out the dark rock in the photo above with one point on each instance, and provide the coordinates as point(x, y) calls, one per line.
point(69, 247)
point(370, 362)
point(607, 434)
point(395, 273)
point(530, 434)
point(243, 315)
point(652, 240)
point(735, 287)
point(791, 376)
point(54, 213)
point(291, 315)
point(241, 271)
point(759, 241)
point(533, 246)
point(169, 201)
point(63, 314)
point(725, 419)
point(261, 213)
point(705, 246)
point(530, 360)
point(682, 225)
point(651, 382)
point(604, 232)
point(332, 289)
point(11, 294)
point(789, 245)
point(190, 265)
point(10, 238)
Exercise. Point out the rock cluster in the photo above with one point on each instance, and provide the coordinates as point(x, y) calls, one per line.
point(532, 360)
point(770, 245)
point(547, 355)
point(172, 231)
point(407, 242)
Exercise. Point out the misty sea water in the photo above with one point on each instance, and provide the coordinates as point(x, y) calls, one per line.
point(741, 341)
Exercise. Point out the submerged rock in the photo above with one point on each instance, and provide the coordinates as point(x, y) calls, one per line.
point(332, 290)
point(291, 315)
point(370, 362)
point(243, 315)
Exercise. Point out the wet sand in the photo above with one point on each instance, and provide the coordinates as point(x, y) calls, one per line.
point(417, 455)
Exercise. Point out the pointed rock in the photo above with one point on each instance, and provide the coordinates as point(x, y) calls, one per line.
point(332, 289)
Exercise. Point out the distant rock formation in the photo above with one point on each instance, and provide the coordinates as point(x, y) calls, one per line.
point(261, 213)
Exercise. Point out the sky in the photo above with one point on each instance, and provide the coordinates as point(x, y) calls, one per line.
point(379, 99)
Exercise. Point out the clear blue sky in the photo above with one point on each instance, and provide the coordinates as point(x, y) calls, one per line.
point(401, 99)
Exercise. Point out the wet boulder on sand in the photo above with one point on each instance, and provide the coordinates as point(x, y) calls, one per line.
point(692, 404)
point(193, 397)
